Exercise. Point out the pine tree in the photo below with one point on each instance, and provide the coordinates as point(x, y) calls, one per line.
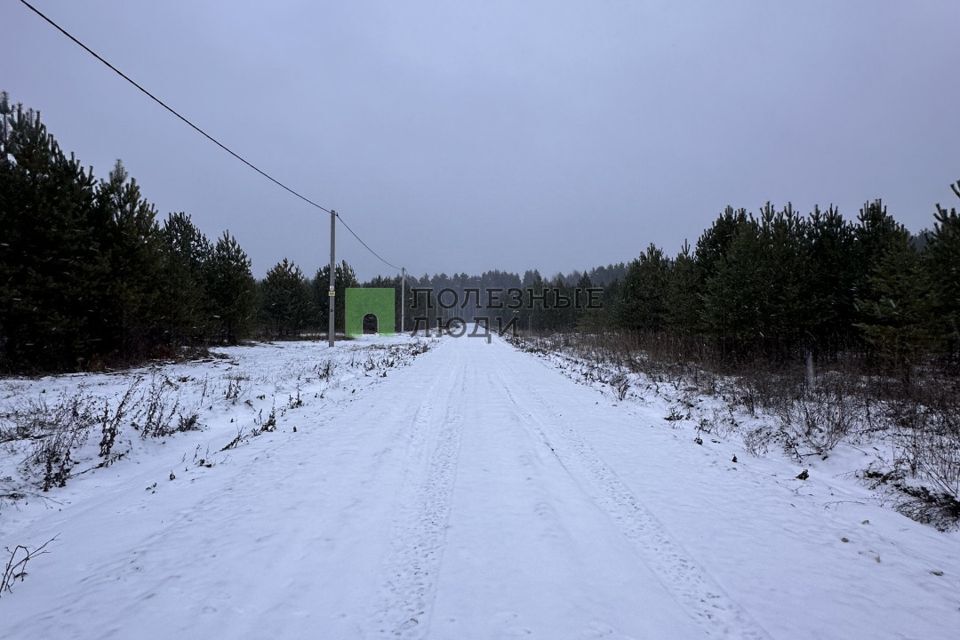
point(231, 290)
point(186, 254)
point(785, 267)
point(735, 293)
point(643, 297)
point(715, 241)
point(895, 314)
point(876, 231)
point(285, 299)
point(684, 294)
point(942, 266)
point(754, 299)
point(133, 318)
point(52, 270)
point(832, 274)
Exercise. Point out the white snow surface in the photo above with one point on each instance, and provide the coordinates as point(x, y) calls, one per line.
point(475, 493)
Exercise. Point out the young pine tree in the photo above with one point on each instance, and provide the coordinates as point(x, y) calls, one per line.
point(53, 272)
point(134, 245)
point(895, 312)
point(684, 294)
point(231, 290)
point(285, 299)
point(643, 297)
point(942, 266)
point(186, 252)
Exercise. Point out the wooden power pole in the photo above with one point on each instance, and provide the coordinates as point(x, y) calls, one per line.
point(332, 293)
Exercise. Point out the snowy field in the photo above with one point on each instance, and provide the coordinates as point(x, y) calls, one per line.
point(471, 491)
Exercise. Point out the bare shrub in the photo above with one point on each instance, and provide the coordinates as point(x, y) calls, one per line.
point(111, 421)
point(295, 401)
point(188, 422)
point(237, 440)
point(203, 460)
point(938, 461)
point(757, 441)
point(204, 389)
point(621, 385)
point(18, 426)
point(234, 387)
point(16, 567)
point(158, 409)
point(37, 419)
point(264, 426)
point(54, 454)
point(325, 369)
point(928, 438)
point(58, 431)
point(675, 415)
point(159, 414)
point(419, 347)
point(821, 416)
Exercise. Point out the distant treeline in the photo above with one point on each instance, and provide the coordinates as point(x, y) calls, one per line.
point(777, 285)
point(90, 277)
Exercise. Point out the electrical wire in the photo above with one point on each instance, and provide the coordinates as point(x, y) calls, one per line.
point(389, 264)
point(199, 130)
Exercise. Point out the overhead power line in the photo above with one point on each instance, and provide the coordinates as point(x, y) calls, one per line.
point(199, 130)
point(347, 227)
point(171, 109)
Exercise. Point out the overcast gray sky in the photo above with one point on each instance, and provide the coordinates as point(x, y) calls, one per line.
point(465, 136)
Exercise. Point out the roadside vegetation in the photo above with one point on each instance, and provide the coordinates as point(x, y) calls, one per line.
point(906, 434)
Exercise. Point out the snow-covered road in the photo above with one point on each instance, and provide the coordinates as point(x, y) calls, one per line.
point(479, 493)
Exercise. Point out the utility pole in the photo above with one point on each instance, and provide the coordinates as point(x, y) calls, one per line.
point(332, 293)
point(403, 299)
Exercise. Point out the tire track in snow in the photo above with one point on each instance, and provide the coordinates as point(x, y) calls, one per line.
point(419, 531)
point(690, 584)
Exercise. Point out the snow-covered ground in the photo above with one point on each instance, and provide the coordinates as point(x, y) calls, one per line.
point(476, 493)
